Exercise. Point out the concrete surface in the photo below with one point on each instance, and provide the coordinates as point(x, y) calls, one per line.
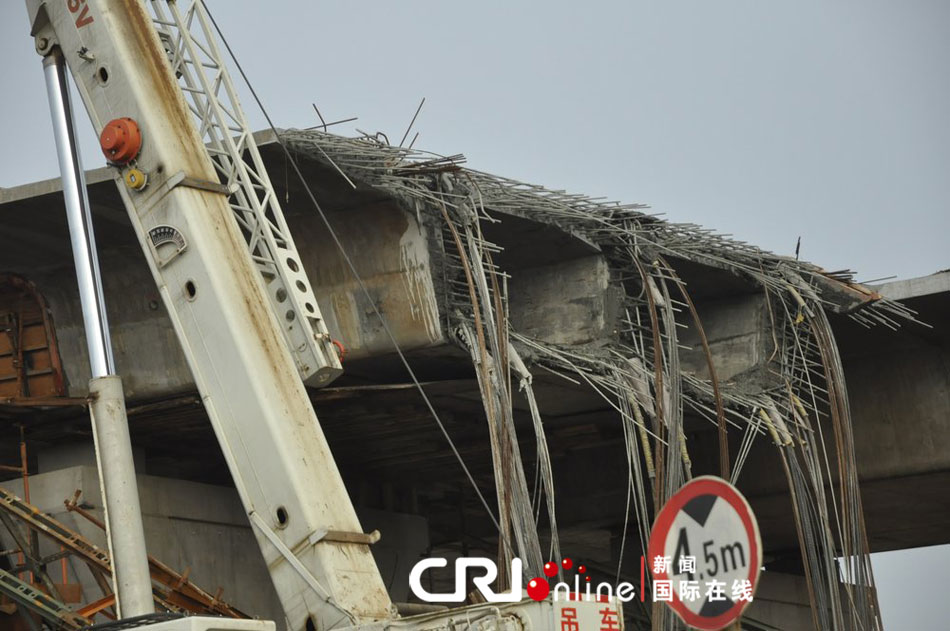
point(561, 290)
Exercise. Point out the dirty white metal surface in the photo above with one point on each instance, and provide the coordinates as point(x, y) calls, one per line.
point(527, 615)
point(208, 623)
point(123, 516)
point(123, 512)
point(220, 309)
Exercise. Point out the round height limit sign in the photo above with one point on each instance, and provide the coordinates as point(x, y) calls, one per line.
point(705, 553)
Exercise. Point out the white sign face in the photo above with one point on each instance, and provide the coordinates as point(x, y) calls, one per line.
point(587, 614)
point(705, 553)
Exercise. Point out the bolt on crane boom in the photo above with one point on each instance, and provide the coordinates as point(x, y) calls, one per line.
point(155, 86)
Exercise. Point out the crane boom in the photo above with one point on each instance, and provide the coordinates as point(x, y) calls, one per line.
point(225, 264)
point(210, 225)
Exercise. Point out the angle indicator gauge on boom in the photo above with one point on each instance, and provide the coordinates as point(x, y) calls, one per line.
point(167, 242)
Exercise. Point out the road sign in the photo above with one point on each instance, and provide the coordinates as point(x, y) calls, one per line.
point(705, 553)
point(583, 614)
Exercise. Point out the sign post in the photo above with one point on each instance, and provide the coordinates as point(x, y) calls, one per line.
point(705, 553)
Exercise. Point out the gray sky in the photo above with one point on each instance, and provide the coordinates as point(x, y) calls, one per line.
point(765, 120)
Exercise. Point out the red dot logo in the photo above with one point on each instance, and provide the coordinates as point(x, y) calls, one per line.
point(581, 569)
point(550, 569)
point(567, 564)
point(538, 589)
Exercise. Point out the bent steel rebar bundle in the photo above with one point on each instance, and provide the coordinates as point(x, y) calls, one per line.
point(801, 408)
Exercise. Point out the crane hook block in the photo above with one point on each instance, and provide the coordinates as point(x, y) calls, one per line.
point(121, 140)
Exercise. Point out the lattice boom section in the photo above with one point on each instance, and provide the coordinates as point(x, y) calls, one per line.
point(189, 40)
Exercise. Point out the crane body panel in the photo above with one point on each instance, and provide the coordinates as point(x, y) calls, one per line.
point(217, 300)
point(221, 255)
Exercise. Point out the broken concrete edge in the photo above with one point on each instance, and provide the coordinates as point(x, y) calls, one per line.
point(379, 164)
point(841, 294)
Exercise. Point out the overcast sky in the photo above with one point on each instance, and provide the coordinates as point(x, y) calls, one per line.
point(763, 119)
point(767, 120)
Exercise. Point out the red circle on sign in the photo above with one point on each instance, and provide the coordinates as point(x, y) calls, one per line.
point(706, 485)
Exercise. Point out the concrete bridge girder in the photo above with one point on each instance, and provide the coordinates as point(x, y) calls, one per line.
point(563, 294)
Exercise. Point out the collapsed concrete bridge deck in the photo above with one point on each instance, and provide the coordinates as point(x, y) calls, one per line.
point(563, 289)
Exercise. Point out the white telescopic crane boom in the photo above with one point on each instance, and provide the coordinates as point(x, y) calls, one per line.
point(226, 266)
point(156, 88)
